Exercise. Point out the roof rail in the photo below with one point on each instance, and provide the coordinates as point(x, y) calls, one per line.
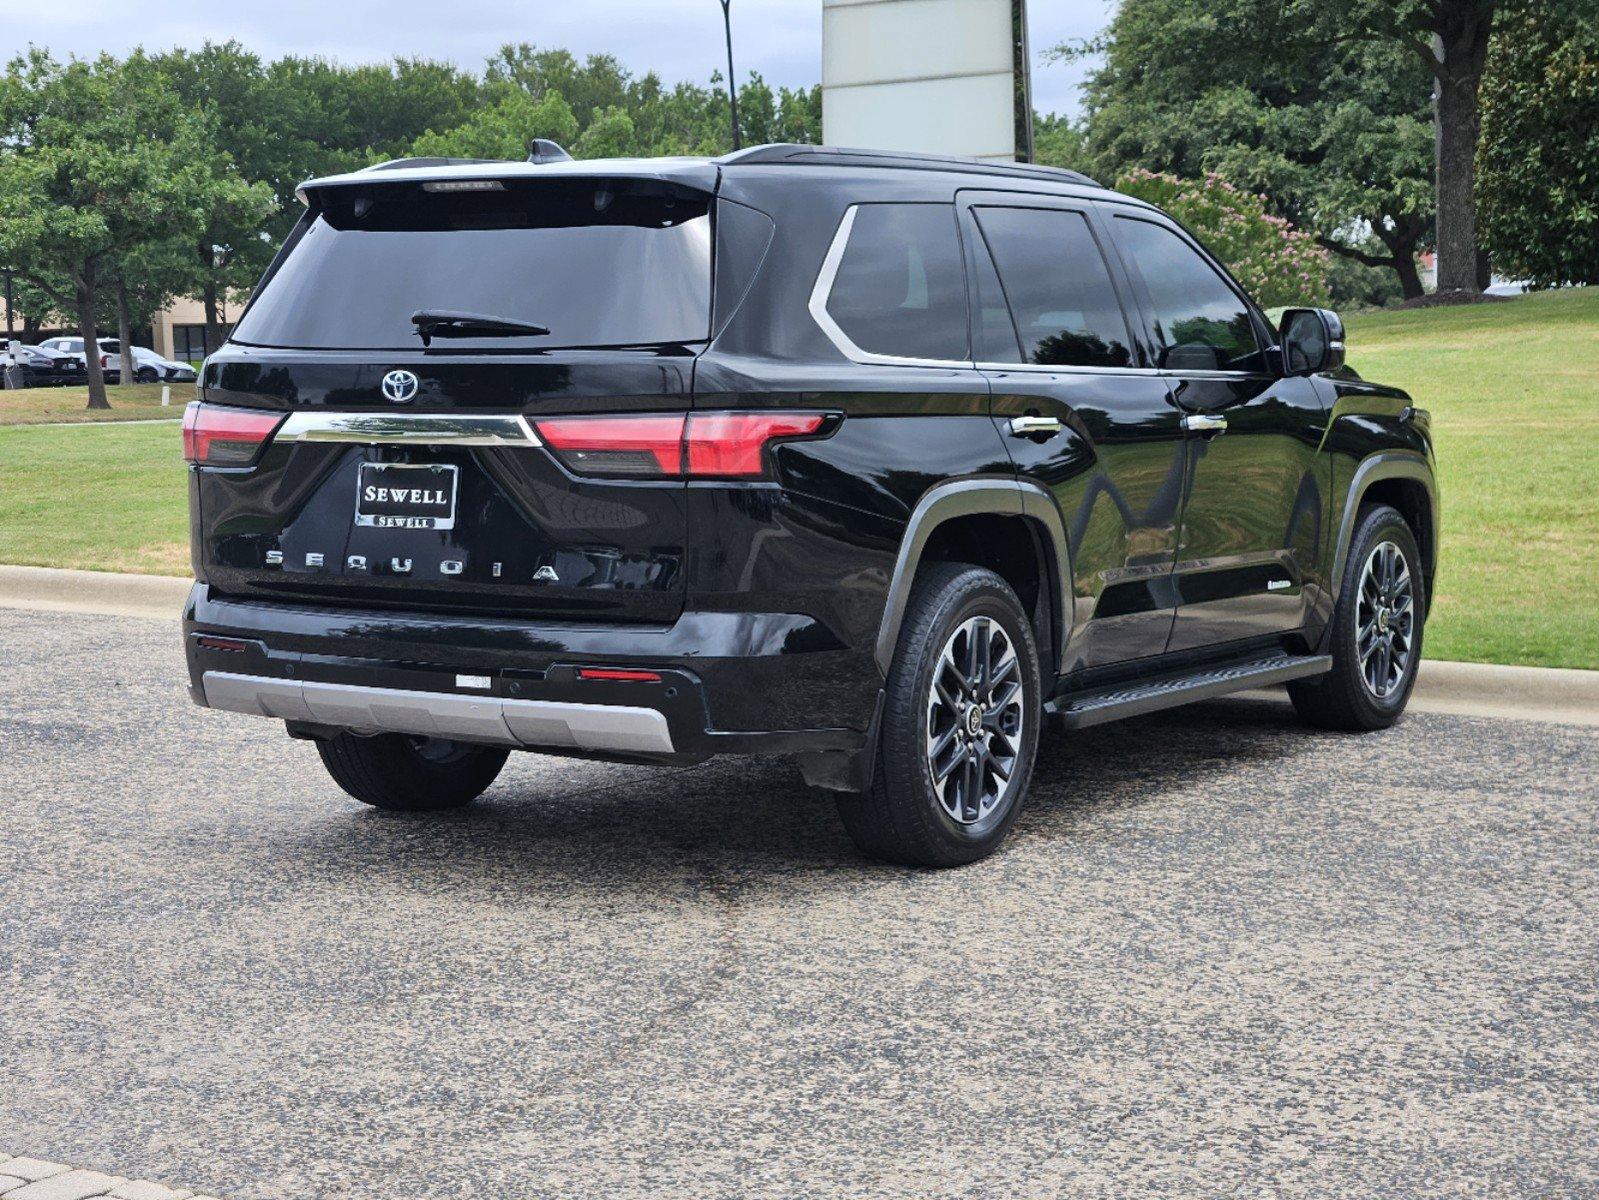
point(797, 154)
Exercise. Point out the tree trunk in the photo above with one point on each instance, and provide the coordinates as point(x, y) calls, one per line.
point(1401, 235)
point(213, 319)
point(1409, 277)
point(1462, 54)
point(91, 341)
point(125, 332)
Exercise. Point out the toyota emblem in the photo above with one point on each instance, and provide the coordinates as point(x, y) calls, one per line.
point(400, 386)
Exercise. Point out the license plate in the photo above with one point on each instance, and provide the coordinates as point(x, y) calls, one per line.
point(406, 495)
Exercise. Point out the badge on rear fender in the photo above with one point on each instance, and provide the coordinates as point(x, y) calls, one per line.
point(406, 495)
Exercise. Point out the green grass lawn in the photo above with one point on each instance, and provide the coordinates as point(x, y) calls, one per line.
point(1514, 393)
point(1513, 389)
point(129, 402)
point(104, 497)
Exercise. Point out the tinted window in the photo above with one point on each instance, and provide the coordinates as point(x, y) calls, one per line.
point(1201, 324)
point(597, 262)
point(900, 288)
point(1058, 287)
point(993, 331)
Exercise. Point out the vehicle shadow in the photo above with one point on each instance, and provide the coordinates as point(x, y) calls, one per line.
point(745, 822)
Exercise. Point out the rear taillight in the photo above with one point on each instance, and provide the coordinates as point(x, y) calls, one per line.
point(692, 446)
point(646, 446)
point(225, 437)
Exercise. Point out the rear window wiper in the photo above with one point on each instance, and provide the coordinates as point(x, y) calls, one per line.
point(437, 322)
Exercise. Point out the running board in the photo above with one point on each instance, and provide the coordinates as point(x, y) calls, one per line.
point(1077, 710)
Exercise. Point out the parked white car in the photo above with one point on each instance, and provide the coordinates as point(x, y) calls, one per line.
point(148, 366)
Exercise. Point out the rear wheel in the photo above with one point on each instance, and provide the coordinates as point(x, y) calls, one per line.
point(959, 728)
point(410, 774)
point(146, 375)
point(1377, 625)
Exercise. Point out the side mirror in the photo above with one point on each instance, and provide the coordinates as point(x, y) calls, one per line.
point(1312, 341)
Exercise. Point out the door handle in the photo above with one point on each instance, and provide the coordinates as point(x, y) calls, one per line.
point(1205, 422)
point(1034, 426)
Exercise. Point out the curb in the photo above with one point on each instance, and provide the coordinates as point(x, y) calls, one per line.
point(104, 592)
point(1560, 695)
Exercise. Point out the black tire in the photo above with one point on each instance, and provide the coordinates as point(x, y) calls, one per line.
point(410, 774)
point(146, 375)
point(1344, 698)
point(903, 817)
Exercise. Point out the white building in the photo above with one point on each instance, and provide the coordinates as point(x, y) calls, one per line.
point(936, 76)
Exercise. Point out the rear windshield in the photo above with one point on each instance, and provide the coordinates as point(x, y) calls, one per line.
point(596, 262)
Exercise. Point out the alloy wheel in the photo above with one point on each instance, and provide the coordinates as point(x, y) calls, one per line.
point(1385, 621)
point(974, 720)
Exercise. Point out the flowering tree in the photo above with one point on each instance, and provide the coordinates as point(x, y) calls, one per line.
point(1276, 263)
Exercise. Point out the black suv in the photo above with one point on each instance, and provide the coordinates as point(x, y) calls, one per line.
point(873, 460)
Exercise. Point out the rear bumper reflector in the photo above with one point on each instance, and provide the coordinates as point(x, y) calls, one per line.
point(618, 675)
point(553, 724)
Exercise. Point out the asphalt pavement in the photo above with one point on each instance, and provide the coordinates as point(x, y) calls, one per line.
point(1222, 956)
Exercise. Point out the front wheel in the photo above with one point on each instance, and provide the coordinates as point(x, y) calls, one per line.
point(1377, 626)
point(410, 774)
point(959, 727)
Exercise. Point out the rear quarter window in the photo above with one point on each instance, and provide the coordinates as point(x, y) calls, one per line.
point(900, 289)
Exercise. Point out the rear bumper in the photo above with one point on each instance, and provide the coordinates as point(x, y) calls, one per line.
point(728, 683)
point(492, 720)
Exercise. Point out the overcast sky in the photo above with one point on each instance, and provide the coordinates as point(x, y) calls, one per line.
point(679, 39)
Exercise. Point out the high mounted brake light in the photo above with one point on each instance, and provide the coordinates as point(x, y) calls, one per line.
point(725, 445)
point(214, 436)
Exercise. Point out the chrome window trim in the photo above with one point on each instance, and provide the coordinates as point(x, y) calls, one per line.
point(817, 304)
point(1048, 369)
point(393, 428)
point(1155, 372)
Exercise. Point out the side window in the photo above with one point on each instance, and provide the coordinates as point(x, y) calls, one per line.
point(900, 288)
point(1058, 287)
point(1200, 323)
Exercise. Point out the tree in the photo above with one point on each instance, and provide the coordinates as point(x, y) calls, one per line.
point(1277, 264)
point(596, 109)
point(1059, 141)
point(95, 162)
point(504, 129)
point(1451, 38)
point(1538, 160)
point(1268, 93)
point(142, 281)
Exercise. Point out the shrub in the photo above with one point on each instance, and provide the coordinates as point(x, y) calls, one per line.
point(1276, 263)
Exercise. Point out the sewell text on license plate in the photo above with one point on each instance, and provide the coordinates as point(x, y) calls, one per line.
point(406, 495)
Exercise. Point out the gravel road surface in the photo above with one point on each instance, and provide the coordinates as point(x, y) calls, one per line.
point(1223, 955)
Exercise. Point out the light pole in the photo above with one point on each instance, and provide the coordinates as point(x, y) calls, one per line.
point(732, 85)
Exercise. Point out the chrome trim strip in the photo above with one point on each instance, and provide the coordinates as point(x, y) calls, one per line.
point(818, 309)
point(1152, 372)
point(540, 724)
point(386, 428)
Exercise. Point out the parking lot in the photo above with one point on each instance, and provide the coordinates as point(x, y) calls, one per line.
point(1223, 955)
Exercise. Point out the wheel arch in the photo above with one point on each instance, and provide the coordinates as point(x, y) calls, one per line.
point(1406, 482)
point(1011, 526)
